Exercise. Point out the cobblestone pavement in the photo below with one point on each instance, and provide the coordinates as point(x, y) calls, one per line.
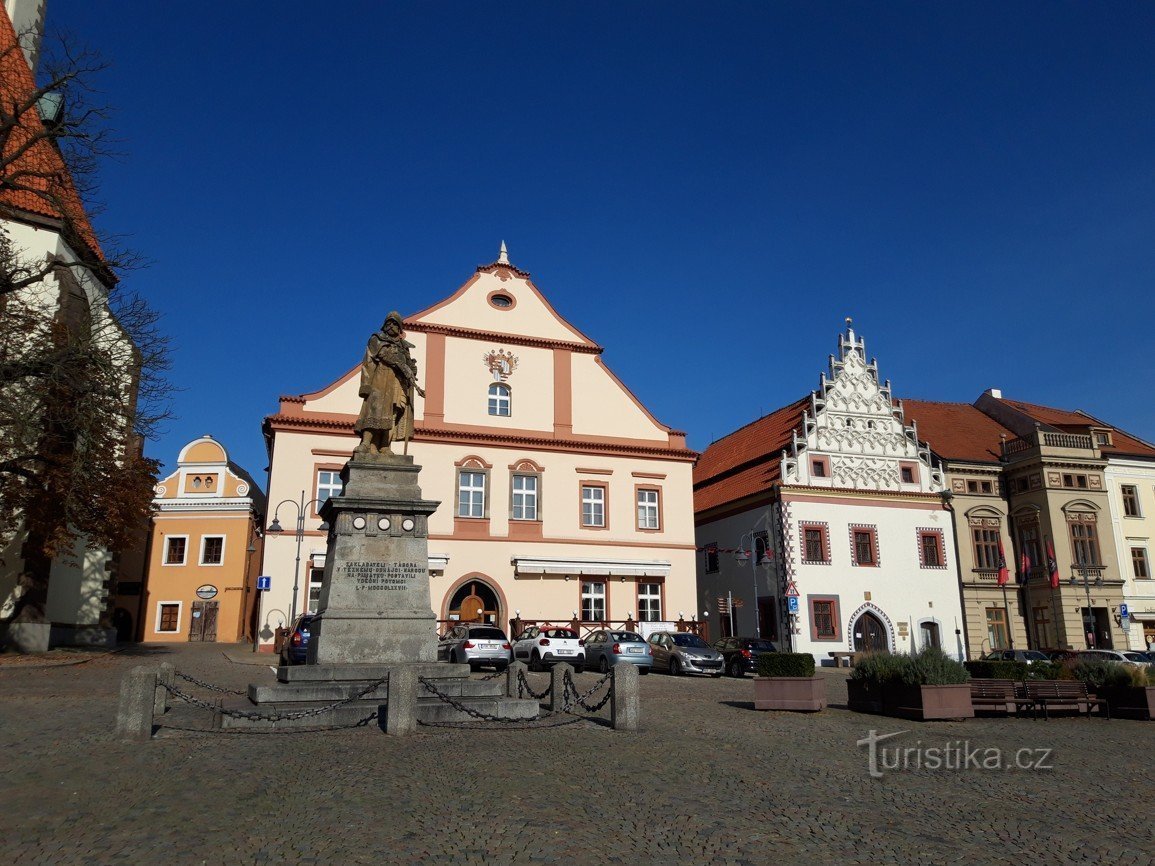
point(707, 780)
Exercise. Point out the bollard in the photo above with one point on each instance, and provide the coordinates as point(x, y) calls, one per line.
point(512, 675)
point(134, 712)
point(625, 702)
point(557, 686)
point(401, 711)
point(165, 676)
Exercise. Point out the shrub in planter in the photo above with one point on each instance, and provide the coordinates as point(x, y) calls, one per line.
point(879, 668)
point(1096, 673)
point(1048, 671)
point(933, 667)
point(927, 685)
point(1130, 690)
point(786, 665)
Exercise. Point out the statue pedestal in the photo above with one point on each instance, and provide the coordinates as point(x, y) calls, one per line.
point(374, 606)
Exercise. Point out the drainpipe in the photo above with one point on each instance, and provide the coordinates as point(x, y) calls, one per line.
point(962, 640)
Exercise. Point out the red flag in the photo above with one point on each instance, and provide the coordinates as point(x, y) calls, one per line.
point(1004, 572)
point(1024, 568)
point(1052, 565)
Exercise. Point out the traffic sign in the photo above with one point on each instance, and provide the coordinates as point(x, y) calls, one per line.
point(1124, 611)
point(264, 582)
point(792, 590)
point(792, 604)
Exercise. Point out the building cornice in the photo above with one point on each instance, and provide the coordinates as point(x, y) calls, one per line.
point(504, 338)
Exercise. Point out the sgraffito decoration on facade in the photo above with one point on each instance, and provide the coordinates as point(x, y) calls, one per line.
point(500, 363)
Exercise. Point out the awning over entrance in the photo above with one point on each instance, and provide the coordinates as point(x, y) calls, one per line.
point(524, 565)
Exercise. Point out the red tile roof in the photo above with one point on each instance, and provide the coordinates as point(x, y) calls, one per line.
point(34, 179)
point(1078, 421)
point(957, 431)
point(748, 460)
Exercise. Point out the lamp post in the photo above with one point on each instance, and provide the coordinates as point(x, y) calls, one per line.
point(275, 526)
point(742, 556)
point(1088, 618)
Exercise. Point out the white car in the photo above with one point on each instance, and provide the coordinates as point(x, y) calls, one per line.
point(542, 647)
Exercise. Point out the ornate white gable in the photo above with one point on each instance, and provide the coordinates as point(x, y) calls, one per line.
point(854, 437)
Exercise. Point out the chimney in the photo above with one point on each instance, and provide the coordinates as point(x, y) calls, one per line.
point(995, 392)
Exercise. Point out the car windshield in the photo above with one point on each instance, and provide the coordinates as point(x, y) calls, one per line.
point(690, 640)
point(487, 633)
point(626, 636)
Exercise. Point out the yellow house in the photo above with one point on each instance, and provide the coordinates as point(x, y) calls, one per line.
point(561, 496)
point(203, 550)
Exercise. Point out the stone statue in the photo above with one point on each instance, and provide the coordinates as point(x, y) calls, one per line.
point(388, 380)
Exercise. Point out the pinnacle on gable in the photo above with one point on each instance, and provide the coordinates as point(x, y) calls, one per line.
point(503, 255)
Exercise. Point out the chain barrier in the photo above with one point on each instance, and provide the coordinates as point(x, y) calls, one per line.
point(270, 716)
point(208, 686)
point(524, 688)
point(469, 711)
point(580, 700)
point(497, 673)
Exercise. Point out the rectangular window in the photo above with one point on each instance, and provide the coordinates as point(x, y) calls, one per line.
point(316, 577)
point(1084, 544)
point(1072, 480)
point(329, 484)
point(212, 550)
point(972, 487)
point(648, 509)
point(931, 549)
point(470, 494)
point(1139, 562)
point(593, 601)
point(997, 627)
point(593, 505)
point(907, 474)
point(823, 618)
point(169, 619)
point(1130, 500)
point(711, 552)
point(649, 602)
point(986, 548)
point(1029, 544)
point(987, 487)
point(525, 497)
point(815, 543)
point(174, 550)
point(818, 468)
point(864, 546)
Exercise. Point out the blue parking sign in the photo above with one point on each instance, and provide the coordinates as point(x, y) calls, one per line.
point(792, 604)
point(1123, 611)
point(264, 583)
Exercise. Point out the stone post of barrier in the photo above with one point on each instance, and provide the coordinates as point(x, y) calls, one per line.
point(625, 702)
point(165, 676)
point(134, 711)
point(557, 686)
point(512, 675)
point(401, 712)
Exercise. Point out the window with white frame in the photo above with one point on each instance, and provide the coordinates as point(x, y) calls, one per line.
point(499, 400)
point(175, 549)
point(470, 494)
point(213, 550)
point(316, 577)
point(329, 484)
point(593, 601)
point(168, 616)
point(647, 509)
point(593, 505)
point(524, 497)
point(649, 602)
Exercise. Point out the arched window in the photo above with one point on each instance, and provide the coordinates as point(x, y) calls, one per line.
point(499, 400)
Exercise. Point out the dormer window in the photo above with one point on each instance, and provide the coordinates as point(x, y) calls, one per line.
point(499, 400)
point(1102, 437)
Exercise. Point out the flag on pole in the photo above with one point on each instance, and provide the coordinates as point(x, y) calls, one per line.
point(1052, 565)
point(1004, 572)
point(1024, 567)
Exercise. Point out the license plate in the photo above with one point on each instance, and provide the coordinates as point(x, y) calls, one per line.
point(633, 649)
point(562, 652)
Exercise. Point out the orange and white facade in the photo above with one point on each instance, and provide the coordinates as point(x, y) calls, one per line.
point(203, 550)
point(561, 495)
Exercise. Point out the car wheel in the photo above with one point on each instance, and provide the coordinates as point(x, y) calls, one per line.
point(735, 668)
point(643, 671)
point(577, 669)
point(535, 662)
point(675, 667)
point(473, 667)
point(604, 667)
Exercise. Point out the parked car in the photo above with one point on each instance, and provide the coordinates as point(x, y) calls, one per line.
point(1016, 655)
point(1140, 657)
point(1106, 656)
point(543, 647)
point(740, 654)
point(683, 652)
point(475, 644)
point(1059, 655)
point(296, 644)
point(605, 648)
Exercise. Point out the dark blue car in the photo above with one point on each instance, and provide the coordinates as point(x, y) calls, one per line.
point(297, 641)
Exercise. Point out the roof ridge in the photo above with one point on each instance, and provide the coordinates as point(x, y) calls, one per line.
point(759, 418)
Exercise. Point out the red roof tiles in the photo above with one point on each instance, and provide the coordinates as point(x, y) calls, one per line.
point(957, 431)
point(1079, 421)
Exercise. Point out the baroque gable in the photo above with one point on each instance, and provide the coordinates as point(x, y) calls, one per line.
point(853, 436)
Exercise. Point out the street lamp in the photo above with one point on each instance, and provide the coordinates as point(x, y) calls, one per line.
point(1088, 619)
point(275, 526)
point(742, 556)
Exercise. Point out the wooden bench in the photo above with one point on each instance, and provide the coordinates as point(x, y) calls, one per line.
point(997, 695)
point(1068, 694)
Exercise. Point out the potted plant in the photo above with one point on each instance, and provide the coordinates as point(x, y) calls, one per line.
point(1129, 691)
point(927, 685)
point(786, 681)
point(871, 674)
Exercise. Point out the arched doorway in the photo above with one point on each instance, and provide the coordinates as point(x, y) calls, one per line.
point(474, 601)
point(870, 634)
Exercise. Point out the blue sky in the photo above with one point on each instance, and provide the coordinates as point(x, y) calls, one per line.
point(706, 189)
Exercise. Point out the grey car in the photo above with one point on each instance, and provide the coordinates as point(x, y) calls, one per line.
point(605, 648)
point(475, 645)
point(681, 652)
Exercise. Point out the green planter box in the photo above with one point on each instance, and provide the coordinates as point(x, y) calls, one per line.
point(799, 694)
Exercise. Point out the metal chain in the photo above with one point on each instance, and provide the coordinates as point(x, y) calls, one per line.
point(469, 711)
point(271, 716)
point(523, 688)
point(208, 686)
point(493, 675)
point(580, 700)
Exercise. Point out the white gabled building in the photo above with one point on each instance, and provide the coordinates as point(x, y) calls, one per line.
point(831, 497)
point(561, 496)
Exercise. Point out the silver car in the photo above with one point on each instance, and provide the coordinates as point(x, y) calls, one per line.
point(683, 652)
point(605, 648)
point(475, 645)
